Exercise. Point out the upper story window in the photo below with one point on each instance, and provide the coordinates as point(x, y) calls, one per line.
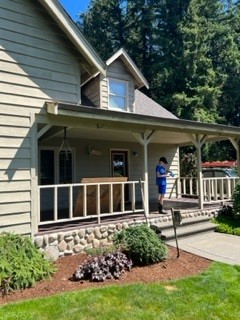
point(117, 91)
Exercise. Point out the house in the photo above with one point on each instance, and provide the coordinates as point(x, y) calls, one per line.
point(66, 115)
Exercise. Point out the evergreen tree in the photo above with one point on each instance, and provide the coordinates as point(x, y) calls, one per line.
point(227, 59)
point(189, 51)
point(104, 26)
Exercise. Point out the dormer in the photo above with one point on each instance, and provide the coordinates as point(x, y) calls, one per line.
point(116, 91)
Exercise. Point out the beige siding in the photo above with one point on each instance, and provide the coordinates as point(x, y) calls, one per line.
point(12, 208)
point(117, 70)
point(95, 166)
point(37, 63)
point(172, 155)
point(92, 91)
point(44, 69)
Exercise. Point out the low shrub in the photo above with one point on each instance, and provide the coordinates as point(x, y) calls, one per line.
point(21, 263)
point(141, 244)
point(228, 229)
point(227, 221)
point(110, 266)
point(226, 211)
point(236, 200)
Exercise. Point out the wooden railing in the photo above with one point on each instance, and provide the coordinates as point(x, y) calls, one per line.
point(214, 189)
point(60, 203)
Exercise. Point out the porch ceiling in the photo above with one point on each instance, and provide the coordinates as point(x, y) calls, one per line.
point(92, 123)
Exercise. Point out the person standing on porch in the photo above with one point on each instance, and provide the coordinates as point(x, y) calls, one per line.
point(161, 182)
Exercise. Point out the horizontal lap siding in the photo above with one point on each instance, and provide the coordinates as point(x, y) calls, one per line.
point(118, 71)
point(15, 164)
point(92, 91)
point(172, 155)
point(37, 63)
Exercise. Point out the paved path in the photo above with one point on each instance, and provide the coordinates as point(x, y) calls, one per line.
point(212, 245)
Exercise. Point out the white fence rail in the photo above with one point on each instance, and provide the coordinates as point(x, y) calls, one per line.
point(81, 201)
point(214, 189)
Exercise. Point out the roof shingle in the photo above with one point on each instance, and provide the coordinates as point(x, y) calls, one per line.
point(146, 106)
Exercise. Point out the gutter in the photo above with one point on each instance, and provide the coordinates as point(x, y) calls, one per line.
point(150, 122)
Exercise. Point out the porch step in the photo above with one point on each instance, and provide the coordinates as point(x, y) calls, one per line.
point(188, 227)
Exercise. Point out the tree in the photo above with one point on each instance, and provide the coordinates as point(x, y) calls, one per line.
point(104, 26)
point(187, 49)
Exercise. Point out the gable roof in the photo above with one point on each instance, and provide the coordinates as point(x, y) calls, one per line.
point(146, 106)
point(67, 25)
point(131, 66)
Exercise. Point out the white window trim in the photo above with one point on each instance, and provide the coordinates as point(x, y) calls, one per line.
point(127, 93)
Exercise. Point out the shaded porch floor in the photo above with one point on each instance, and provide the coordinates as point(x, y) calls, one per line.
point(182, 204)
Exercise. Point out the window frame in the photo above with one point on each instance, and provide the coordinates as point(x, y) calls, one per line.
point(56, 172)
point(126, 99)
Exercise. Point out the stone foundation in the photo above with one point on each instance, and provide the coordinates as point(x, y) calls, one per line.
point(60, 244)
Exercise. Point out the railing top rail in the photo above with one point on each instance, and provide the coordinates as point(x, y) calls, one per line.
point(87, 184)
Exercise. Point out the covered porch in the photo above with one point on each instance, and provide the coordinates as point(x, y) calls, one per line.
point(101, 201)
point(145, 132)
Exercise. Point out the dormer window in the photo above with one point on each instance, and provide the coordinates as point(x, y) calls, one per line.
point(117, 95)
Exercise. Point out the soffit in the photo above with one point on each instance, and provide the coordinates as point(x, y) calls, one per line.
point(92, 123)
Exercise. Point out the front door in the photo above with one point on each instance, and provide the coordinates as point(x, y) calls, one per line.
point(119, 166)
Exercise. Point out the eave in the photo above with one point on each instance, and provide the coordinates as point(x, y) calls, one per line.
point(67, 25)
point(175, 131)
point(131, 66)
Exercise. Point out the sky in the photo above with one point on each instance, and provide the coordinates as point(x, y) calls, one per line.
point(73, 7)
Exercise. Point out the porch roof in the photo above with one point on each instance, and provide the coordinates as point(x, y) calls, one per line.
point(95, 123)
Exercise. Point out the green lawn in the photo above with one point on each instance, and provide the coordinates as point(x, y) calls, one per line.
point(215, 294)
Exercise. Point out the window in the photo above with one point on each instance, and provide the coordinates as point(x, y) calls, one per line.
point(117, 94)
point(55, 167)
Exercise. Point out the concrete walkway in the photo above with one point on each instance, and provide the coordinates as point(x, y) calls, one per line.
point(211, 245)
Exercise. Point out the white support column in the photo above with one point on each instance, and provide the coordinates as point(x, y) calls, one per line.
point(236, 144)
point(198, 141)
point(199, 175)
point(144, 140)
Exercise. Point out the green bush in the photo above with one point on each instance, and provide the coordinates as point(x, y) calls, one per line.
point(228, 221)
point(228, 229)
point(21, 263)
point(236, 200)
point(141, 244)
point(226, 212)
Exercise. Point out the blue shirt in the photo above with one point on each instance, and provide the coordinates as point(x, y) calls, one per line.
point(161, 180)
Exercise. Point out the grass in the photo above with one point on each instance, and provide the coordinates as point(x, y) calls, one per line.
point(213, 295)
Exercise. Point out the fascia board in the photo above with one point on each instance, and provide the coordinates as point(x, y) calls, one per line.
point(149, 122)
point(131, 66)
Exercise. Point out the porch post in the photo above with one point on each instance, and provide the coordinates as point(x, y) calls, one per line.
point(144, 140)
point(198, 141)
point(236, 144)
point(145, 171)
point(199, 175)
